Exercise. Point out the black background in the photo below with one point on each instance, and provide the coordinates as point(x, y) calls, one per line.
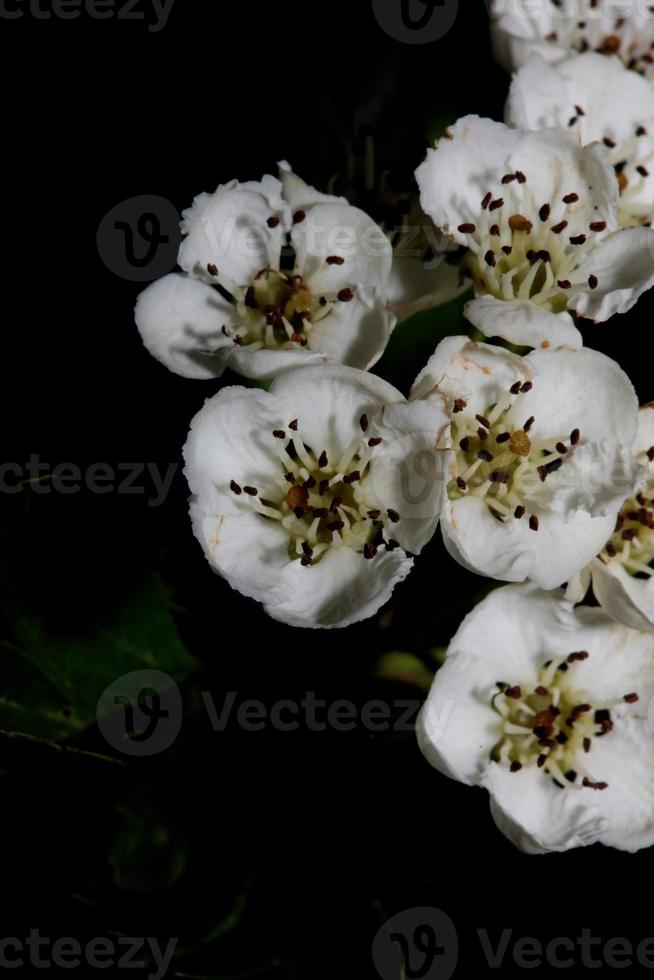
point(334, 832)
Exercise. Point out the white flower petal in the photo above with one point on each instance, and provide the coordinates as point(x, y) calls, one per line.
point(414, 287)
point(339, 231)
point(410, 475)
point(626, 764)
point(624, 266)
point(179, 320)
point(298, 194)
point(478, 373)
point(355, 333)
point(229, 229)
point(538, 817)
point(512, 552)
point(522, 322)
point(341, 589)
point(265, 364)
point(627, 599)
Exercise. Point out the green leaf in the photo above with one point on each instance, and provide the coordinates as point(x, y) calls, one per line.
point(52, 679)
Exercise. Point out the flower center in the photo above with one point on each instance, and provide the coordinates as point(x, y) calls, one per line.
point(520, 248)
point(632, 159)
point(551, 727)
point(498, 461)
point(632, 542)
point(279, 308)
point(322, 502)
point(585, 28)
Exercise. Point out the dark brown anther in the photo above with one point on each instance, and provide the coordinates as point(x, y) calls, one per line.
point(293, 425)
point(467, 229)
point(234, 487)
point(272, 222)
point(307, 549)
point(483, 420)
point(519, 512)
point(554, 465)
point(570, 198)
point(495, 231)
point(578, 240)
point(515, 693)
point(393, 516)
point(299, 217)
point(461, 483)
point(369, 551)
point(459, 405)
point(279, 434)
point(212, 270)
point(515, 388)
point(336, 503)
point(363, 422)
point(503, 437)
point(593, 282)
point(310, 483)
point(334, 260)
point(520, 177)
point(507, 249)
point(516, 766)
point(534, 523)
point(489, 258)
point(289, 477)
point(527, 386)
point(631, 698)
point(508, 178)
point(542, 472)
point(557, 229)
point(650, 454)
point(322, 460)
point(374, 515)
point(251, 298)
point(575, 436)
point(587, 743)
point(597, 225)
point(564, 284)
point(320, 512)
point(323, 487)
point(528, 424)
point(499, 476)
point(485, 455)
point(495, 205)
point(305, 561)
point(352, 477)
point(251, 491)
point(643, 171)
point(375, 441)
point(545, 212)
point(392, 544)
point(336, 526)
point(578, 656)
point(345, 295)
point(486, 201)
point(465, 444)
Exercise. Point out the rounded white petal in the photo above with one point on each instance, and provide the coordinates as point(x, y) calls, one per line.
point(538, 817)
point(298, 194)
point(409, 471)
point(355, 333)
point(523, 323)
point(264, 364)
point(623, 264)
point(615, 100)
point(180, 322)
point(645, 434)
point(627, 599)
point(229, 229)
point(338, 230)
point(414, 287)
point(478, 373)
point(512, 552)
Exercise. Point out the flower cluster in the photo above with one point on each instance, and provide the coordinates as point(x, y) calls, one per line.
point(315, 483)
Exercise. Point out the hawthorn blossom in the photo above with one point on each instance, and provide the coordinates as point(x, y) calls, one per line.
point(623, 573)
point(600, 100)
point(542, 458)
point(275, 275)
point(538, 216)
point(546, 707)
point(300, 493)
point(556, 29)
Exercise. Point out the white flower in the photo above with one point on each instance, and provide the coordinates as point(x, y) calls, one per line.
point(547, 708)
point(299, 493)
point(542, 460)
point(600, 100)
point(623, 573)
point(557, 28)
point(539, 217)
point(277, 275)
